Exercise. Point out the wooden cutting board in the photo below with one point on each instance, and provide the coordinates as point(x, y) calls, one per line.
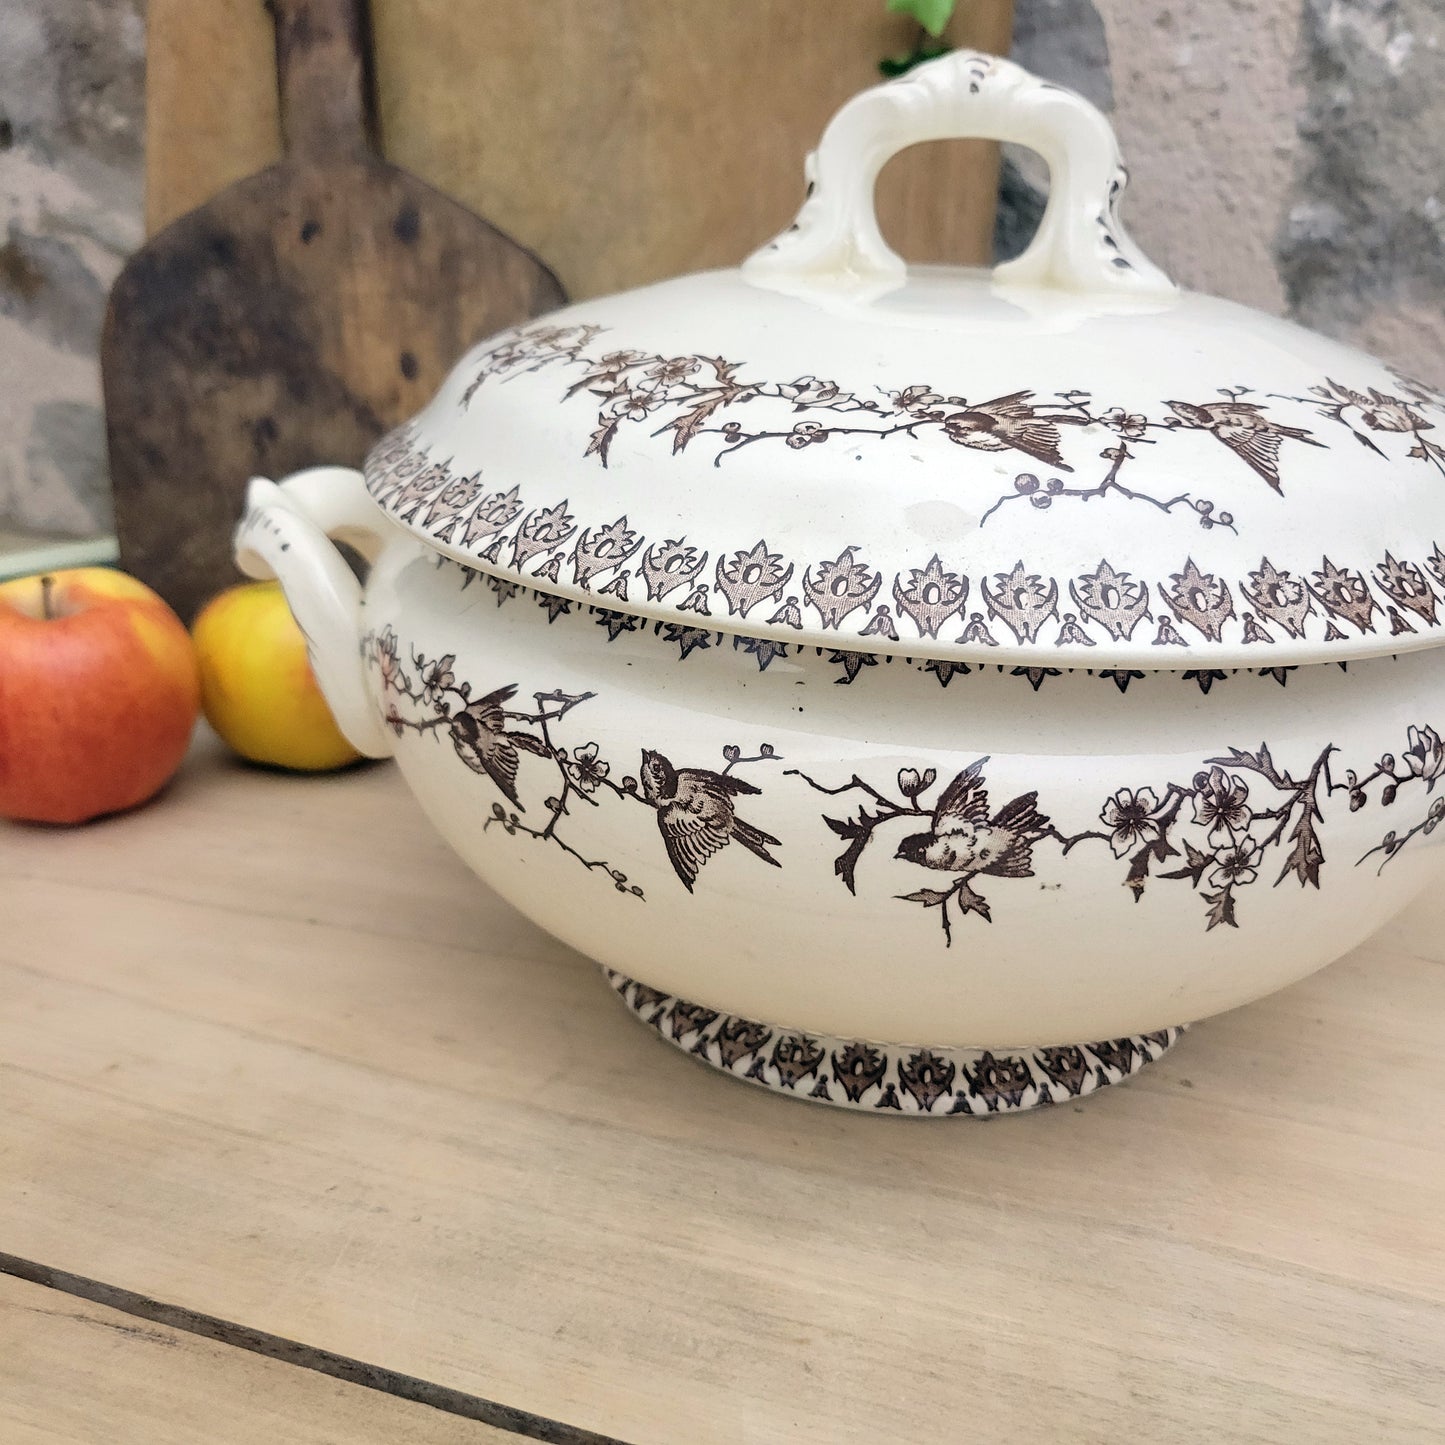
point(624, 140)
point(292, 318)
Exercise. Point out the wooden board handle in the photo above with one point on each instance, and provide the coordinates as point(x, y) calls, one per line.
point(321, 72)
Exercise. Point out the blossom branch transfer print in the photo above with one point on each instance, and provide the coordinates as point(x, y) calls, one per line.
point(1424, 763)
point(684, 397)
point(1375, 417)
point(1241, 819)
point(696, 808)
point(700, 399)
point(1236, 818)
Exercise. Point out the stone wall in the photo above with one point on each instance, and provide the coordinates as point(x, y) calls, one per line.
point(71, 90)
point(1291, 154)
point(1287, 153)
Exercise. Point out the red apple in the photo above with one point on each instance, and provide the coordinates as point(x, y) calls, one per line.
point(99, 694)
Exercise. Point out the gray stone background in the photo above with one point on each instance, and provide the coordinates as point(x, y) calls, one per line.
point(1289, 154)
point(71, 158)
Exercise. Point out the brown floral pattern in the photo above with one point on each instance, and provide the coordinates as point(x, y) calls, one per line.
point(855, 1074)
point(1240, 819)
point(696, 808)
point(684, 398)
point(1237, 818)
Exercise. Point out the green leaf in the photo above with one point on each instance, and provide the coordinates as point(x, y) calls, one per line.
point(893, 66)
point(932, 15)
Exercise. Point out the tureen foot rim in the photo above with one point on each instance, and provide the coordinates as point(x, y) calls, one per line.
point(903, 1079)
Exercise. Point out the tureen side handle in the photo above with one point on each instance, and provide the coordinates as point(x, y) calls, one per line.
point(835, 244)
point(286, 533)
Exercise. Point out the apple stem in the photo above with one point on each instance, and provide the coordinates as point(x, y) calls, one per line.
point(47, 586)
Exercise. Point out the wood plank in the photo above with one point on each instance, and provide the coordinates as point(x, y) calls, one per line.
point(77, 1371)
point(623, 140)
point(272, 1054)
point(293, 319)
point(200, 138)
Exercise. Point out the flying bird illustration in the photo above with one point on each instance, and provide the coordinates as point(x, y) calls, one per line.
point(1010, 423)
point(1245, 430)
point(965, 840)
point(1378, 411)
point(1389, 413)
point(485, 744)
point(696, 815)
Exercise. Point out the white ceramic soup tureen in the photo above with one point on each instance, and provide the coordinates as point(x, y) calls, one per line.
point(921, 691)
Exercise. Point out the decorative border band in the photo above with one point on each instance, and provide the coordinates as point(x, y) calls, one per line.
point(684, 397)
point(693, 641)
point(853, 1074)
point(1239, 821)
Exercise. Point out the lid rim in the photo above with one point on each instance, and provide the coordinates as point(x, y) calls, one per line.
point(1349, 569)
point(1182, 657)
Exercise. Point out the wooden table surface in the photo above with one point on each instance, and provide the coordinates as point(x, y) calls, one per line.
point(304, 1135)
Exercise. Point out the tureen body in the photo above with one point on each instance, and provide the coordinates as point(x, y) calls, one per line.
point(766, 840)
point(924, 692)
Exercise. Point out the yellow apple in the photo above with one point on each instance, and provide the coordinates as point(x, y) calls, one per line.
point(257, 687)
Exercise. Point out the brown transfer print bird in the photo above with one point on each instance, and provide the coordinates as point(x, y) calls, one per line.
point(1389, 413)
point(965, 840)
point(696, 815)
point(1245, 430)
point(1010, 423)
point(1378, 411)
point(484, 743)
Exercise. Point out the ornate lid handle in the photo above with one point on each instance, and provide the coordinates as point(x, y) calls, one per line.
point(835, 243)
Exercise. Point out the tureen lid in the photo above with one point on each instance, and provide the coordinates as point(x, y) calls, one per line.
point(1064, 462)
